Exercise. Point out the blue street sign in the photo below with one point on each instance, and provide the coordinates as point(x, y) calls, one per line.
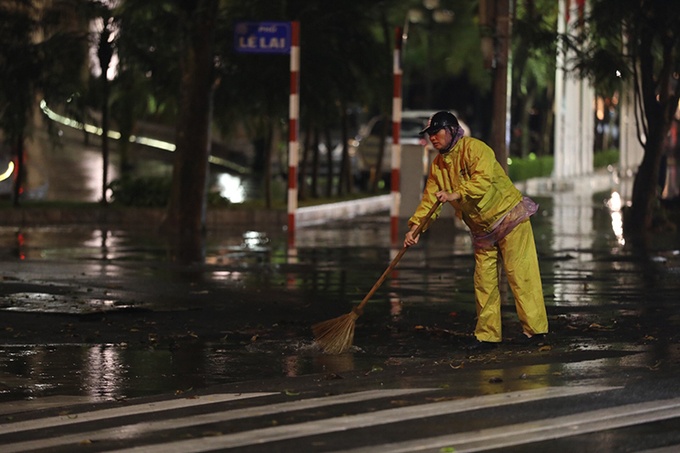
point(262, 37)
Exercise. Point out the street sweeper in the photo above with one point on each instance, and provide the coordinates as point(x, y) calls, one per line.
point(466, 174)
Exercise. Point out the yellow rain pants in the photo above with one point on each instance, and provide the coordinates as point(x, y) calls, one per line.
point(517, 251)
point(470, 169)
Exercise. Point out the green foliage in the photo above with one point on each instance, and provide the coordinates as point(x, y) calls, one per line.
point(532, 167)
point(606, 157)
point(520, 169)
point(153, 191)
point(50, 66)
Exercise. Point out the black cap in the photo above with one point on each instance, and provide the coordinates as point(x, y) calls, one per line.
point(439, 121)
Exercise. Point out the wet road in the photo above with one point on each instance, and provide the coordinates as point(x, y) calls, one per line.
point(586, 418)
point(265, 296)
point(103, 316)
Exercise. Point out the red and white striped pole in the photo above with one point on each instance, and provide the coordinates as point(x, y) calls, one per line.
point(396, 137)
point(293, 127)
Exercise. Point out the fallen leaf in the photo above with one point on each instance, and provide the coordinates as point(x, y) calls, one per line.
point(656, 366)
point(332, 376)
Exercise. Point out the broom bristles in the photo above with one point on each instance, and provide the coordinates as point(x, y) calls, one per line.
point(335, 336)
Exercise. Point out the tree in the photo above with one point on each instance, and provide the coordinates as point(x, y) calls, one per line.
point(533, 74)
point(638, 41)
point(336, 72)
point(187, 207)
point(41, 54)
point(104, 55)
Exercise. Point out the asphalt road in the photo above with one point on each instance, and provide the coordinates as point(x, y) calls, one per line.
point(107, 345)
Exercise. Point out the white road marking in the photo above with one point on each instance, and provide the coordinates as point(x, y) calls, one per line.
point(12, 407)
point(539, 430)
point(669, 449)
point(82, 417)
point(134, 430)
point(336, 424)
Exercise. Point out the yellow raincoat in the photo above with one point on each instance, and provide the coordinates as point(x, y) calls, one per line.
point(487, 195)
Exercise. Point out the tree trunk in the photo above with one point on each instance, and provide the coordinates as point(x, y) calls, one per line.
point(345, 179)
point(268, 144)
point(640, 217)
point(105, 53)
point(186, 211)
point(302, 165)
point(660, 105)
point(105, 137)
point(20, 171)
point(546, 132)
point(526, 137)
point(377, 175)
point(315, 164)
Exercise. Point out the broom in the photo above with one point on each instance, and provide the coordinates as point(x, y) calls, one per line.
point(336, 335)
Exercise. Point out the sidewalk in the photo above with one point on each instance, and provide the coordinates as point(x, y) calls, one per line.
point(135, 217)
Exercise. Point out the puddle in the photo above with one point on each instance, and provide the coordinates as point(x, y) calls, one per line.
point(110, 371)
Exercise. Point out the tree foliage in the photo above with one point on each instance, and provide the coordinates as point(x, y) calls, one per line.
point(534, 33)
point(636, 43)
point(40, 55)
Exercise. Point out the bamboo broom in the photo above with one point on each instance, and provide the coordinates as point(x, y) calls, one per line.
point(336, 335)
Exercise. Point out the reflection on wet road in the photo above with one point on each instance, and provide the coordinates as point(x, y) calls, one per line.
point(585, 267)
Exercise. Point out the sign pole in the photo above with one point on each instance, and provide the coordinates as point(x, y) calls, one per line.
point(293, 127)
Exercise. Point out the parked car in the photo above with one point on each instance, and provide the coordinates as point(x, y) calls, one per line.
point(366, 146)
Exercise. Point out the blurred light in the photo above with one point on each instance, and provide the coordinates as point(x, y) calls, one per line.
point(8, 172)
point(431, 4)
point(600, 108)
point(231, 188)
point(615, 203)
point(443, 16)
point(160, 144)
point(255, 240)
point(145, 141)
point(415, 16)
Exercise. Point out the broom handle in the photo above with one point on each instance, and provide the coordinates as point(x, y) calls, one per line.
point(396, 259)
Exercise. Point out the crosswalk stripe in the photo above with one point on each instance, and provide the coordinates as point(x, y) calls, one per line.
point(47, 402)
point(278, 433)
point(158, 406)
point(668, 449)
point(129, 431)
point(539, 430)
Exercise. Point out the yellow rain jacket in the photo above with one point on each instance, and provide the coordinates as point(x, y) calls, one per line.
point(470, 168)
point(487, 194)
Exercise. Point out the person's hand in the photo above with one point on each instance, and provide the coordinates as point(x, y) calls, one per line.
point(410, 239)
point(445, 197)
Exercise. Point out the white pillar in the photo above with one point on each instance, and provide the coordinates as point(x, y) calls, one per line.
point(574, 110)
